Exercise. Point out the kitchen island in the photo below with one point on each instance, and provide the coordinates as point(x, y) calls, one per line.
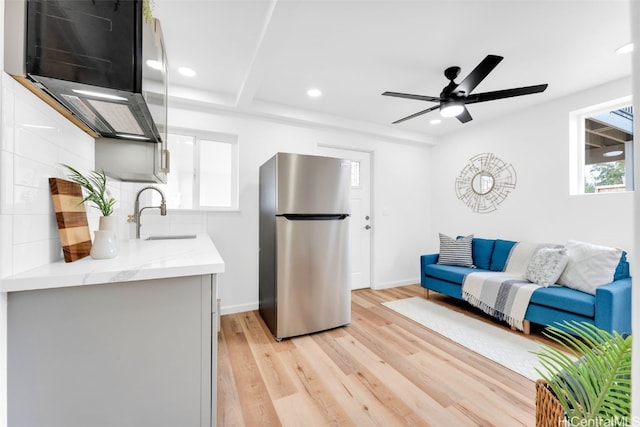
point(128, 341)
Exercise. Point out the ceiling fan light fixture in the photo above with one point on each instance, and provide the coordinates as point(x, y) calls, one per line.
point(451, 108)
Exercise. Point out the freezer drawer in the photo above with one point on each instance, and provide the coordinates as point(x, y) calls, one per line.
point(313, 290)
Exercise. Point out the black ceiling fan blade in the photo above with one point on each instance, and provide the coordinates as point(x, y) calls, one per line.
point(464, 117)
point(506, 93)
point(419, 113)
point(410, 96)
point(478, 74)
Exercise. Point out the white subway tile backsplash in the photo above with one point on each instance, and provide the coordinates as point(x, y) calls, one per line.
point(173, 223)
point(31, 173)
point(31, 201)
point(33, 146)
point(6, 183)
point(8, 122)
point(6, 248)
point(33, 228)
point(34, 254)
point(76, 144)
point(73, 160)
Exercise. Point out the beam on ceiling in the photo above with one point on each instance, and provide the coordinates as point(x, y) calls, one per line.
point(272, 35)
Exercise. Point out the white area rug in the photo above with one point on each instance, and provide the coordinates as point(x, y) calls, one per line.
point(508, 349)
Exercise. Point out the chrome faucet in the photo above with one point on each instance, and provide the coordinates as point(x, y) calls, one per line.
point(137, 211)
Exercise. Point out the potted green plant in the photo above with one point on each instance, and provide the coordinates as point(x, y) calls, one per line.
point(590, 375)
point(95, 188)
point(95, 191)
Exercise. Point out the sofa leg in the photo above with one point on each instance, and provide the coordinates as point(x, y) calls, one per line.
point(426, 293)
point(526, 327)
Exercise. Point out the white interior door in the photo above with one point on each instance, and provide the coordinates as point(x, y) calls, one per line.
point(361, 221)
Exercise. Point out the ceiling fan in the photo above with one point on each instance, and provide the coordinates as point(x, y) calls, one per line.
point(454, 97)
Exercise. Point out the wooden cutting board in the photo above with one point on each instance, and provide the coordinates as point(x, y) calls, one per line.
point(71, 217)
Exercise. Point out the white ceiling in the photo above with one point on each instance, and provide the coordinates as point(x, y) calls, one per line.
point(261, 56)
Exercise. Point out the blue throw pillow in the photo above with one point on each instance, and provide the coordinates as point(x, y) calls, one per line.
point(501, 251)
point(482, 250)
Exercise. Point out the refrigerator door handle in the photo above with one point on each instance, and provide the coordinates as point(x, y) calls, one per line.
point(314, 217)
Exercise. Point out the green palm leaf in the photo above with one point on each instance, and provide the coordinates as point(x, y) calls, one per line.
point(95, 189)
point(592, 376)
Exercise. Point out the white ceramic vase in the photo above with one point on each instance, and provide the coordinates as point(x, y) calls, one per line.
point(105, 245)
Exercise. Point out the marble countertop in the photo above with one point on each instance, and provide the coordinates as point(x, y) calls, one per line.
point(136, 260)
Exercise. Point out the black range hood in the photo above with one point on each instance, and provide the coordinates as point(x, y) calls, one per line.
point(98, 59)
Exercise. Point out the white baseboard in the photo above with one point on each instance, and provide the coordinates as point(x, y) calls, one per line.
point(395, 284)
point(238, 308)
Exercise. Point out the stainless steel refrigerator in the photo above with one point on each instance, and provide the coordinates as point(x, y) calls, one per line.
point(304, 261)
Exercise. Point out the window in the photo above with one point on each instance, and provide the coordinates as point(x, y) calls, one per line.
point(602, 142)
point(355, 174)
point(204, 171)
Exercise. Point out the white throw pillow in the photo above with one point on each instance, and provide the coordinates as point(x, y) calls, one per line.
point(589, 266)
point(546, 266)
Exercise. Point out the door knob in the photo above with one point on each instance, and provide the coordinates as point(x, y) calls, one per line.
point(367, 227)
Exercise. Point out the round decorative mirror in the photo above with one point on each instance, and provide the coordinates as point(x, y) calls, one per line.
point(485, 182)
point(482, 183)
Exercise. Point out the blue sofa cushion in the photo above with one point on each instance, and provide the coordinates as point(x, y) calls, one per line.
point(482, 250)
point(451, 273)
point(565, 299)
point(501, 251)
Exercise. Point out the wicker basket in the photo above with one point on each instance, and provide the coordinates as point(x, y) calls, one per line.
point(549, 412)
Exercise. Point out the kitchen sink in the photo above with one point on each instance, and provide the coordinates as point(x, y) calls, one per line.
point(174, 237)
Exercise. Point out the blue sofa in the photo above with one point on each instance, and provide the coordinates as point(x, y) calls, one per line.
point(608, 309)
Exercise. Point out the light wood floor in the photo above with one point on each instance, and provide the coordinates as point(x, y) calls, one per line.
point(381, 370)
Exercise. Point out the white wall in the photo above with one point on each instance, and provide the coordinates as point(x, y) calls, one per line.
point(400, 216)
point(540, 209)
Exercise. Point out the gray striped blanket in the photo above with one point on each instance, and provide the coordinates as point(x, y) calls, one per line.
point(504, 295)
point(501, 295)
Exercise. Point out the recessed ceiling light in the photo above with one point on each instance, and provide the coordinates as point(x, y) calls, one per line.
point(435, 122)
point(314, 93)
point(155, 64)
point(625, 48)
point(187, 72)
point(613, 153)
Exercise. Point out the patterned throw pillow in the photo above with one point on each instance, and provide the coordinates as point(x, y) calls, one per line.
point(546, 266)
point(456, 251)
